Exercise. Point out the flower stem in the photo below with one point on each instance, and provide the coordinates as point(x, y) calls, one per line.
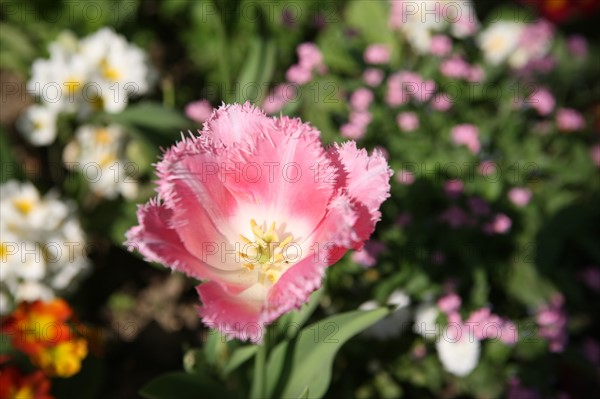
point(259, 382)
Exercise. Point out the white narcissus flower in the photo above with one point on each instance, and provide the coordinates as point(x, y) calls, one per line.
point(425, 320)
point(459, 353)
point(42, 245)
point(99, 153)
point(499, 40)
point(38, 124)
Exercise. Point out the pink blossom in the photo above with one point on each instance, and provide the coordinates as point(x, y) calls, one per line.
point(361, 99)
point(488, 168)
point(441, 102)
point(478, 321)
point(367, 256)
point(407, 121)
point(425, 91)
point(467, 135)
point(536, 38)
point(595, 155)
point(377, 54)
point(281, 95)
point(199, 111)
point(352, 131)
point(552, 322)
point(475, 74)
point(231, 212)
point(501, 223)
point(449, 303)
point(455, 67)
point(578, 45)
point(373, 76)
point(569, 120)
point(454, 188)
point(542, 101)
point(298, 74)
point(360, 118)
point(509, 334)
point(441, 45)
point(401, 85)
point(309, 56)
point(520, 196)
point(405, 177)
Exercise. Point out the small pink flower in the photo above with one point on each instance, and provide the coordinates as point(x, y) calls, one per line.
point(199, 111)
point(449, 303)
point(367, 256)
point(509, 334)
point(441, 102)
point(578, 45)
point(243, 208)
point(426, 91)
point(309, 56)
point(377, 54)
point(352, 131)
point(441, 45)
point(454, 188)
point(467, 135)
point(488, 168)
point(542, 101)
point(373, 77)
point(298, 74)
point(595, 155)
point(520, 196)
point(405, 177)
point(361, 99)
point(569, 120)
point(552, 322)
point(475, 74)
point(281, 95)
point(501, 224)
point(360, 118)
point(407, 121)
point(401, 86)
point(455, 67)
point(478, 321)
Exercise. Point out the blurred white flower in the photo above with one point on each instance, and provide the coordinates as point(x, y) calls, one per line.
point(42, 246)
point(425, 320)
point(500, 40)
point(38, 124)
point(98, 73)
point(459, 353)
point(99, 154)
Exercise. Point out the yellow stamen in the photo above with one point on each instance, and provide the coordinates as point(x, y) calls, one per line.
point(23, 205)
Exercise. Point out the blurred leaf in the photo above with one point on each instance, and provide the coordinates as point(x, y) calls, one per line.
point(311, 355)
point(239, 357)
point(153, 116)
point(371, 18)
point(255, 75)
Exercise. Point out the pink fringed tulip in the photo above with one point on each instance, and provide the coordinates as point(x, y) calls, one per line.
point(256, 206)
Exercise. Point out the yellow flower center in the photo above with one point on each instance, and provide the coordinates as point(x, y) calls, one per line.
point(109, 72)
point(64, 359)
point(103, 136)
point(497, 43)
point(23, 205)
point(265, 253)
point(72, 85)
point(3, 251)
point(25, 392)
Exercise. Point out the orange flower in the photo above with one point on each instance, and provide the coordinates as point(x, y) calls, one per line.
point(15, 385)
point(40, 330)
